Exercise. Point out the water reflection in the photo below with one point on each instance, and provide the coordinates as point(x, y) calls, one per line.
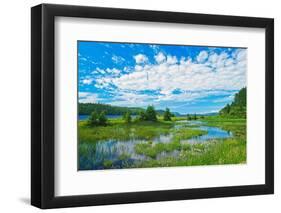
point(120, 154)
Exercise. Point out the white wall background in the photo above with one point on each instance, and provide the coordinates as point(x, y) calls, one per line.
point(15, 105)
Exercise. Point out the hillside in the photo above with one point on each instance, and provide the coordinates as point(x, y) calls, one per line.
point(238, 107)
point(88, 108)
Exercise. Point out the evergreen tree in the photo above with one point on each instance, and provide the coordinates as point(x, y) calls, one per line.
point(167, 115)
point(127, 117)
point(94, 119)
point(102, 119)
point(238, 107)
point(195, 117)
point(150, 114)
point(142, 116)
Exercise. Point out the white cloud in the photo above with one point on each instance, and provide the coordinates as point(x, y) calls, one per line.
point(108, 71)
point(87, 81)
point(131, 98)
point(218, 72)
point(203, 55)
point(140, 58)
point(83, 59)
point(86, 97)
point(154, 47)
point(117, 59)
point(172, 59)
point(160, 57)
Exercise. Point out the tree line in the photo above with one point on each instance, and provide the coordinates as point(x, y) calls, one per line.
point(150, 114)
point(238, 107)
point(88, 108)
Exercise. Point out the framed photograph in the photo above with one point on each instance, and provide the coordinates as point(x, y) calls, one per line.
point(139, 106)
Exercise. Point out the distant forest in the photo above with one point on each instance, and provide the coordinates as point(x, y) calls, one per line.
point(88, 108)
point(238, 107)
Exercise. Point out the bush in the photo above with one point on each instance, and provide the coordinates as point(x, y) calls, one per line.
point(96, 119)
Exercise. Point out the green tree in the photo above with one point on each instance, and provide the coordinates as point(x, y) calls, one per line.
point(102, 119)
point(195, 117)
point(227, 109)
point(167, 115)
point(94, 119)
point(142, 116)
point(150, 114)
point(127, 117)
point(238, 107)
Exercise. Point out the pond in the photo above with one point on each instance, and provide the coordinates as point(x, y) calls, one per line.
point(121, 154)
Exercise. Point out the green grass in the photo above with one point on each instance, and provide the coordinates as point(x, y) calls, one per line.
point(187, 133)
point(117, 129)
point(229, 151)
point(215, 152)
point(153, 149)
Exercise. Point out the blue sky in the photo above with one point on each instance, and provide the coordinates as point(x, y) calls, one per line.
point(186, 79)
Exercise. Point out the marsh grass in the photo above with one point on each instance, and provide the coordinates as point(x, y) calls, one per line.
point(120, 131)
point(228, 151)
point(187, 133)
point(213, 152)
point(153, 149)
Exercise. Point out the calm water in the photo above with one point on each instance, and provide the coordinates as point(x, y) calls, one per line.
point(122, 154)
point(85, 117)
point(213, 133)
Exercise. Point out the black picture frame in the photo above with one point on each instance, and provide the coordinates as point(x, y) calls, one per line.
point(43, 111)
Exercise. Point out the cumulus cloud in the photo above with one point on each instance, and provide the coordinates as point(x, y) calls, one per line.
point(140, 58)
point(86, 97)
point(171, 59)
point(160, 57)
point(203, 55)
point(207, 74)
